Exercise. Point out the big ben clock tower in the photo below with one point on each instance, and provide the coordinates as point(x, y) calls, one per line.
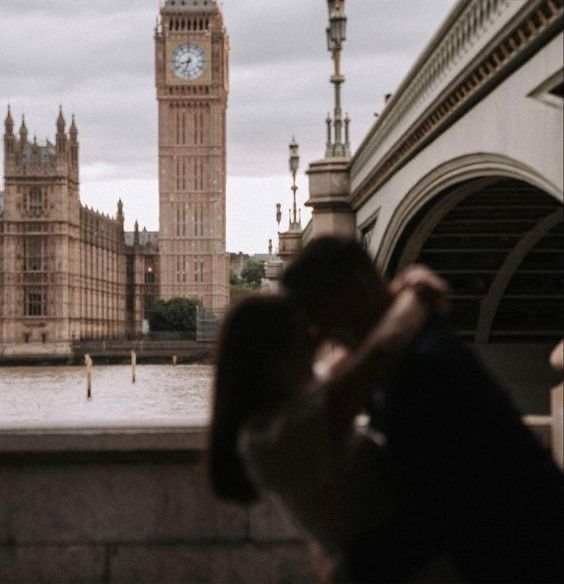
point(192, 88)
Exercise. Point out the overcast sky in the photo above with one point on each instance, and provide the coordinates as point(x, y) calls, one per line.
point(96, 58)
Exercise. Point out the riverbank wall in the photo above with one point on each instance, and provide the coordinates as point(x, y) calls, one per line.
point(148, 351)
point(132, 506)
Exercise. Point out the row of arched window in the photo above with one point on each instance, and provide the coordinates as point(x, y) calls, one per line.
point(188, 24)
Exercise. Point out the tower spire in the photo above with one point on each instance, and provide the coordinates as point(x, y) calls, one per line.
point(136, 233)
point(73, 129)
point(120, 216)
point(61, 121)
point(9, 123)
point(23, 130)
point(61, 136)
point(9, 138)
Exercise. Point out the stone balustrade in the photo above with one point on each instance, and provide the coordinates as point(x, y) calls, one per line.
point(478, 45)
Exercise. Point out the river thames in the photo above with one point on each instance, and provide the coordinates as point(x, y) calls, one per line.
point(56, 397)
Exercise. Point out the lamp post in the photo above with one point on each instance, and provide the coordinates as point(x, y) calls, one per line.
point(294, 163)
point(337, 144)
point(294, 166)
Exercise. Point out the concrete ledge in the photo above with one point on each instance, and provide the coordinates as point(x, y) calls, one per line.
point(131, 505)
point(99, 439)
point(71, 564)
point(245, 563)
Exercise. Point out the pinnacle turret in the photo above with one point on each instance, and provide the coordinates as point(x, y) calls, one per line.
point(136, 233)
point(120, 216)
point(73, 130)
point(23, 131)
point(9, 123)
point(61, 121)
point(61, 136)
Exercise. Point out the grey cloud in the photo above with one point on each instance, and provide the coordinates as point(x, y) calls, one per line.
point(96, 57)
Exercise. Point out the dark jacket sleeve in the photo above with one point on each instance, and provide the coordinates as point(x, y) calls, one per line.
point(470, 477)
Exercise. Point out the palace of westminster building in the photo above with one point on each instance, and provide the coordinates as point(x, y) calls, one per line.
point(70, 273)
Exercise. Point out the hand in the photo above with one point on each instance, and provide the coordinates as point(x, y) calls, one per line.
point(332, 360)
point(428, 285)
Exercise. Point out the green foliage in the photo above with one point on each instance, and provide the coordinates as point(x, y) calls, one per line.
point(175, 315)
point(234, 279)
point(253, 273)
point(240, 290)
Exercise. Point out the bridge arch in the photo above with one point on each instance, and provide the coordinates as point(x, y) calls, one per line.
point(495, 230)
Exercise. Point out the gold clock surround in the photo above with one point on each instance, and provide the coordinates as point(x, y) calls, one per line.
point(203, 41)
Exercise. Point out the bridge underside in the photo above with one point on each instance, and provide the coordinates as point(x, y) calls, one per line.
point(499, 242)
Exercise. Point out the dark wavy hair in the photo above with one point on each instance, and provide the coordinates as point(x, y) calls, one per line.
point(335, 282)
point(256, 334)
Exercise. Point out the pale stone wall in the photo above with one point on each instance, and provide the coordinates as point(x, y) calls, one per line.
point(100, 312)
point(81, 267)
point(466, 151)
point(131, 507)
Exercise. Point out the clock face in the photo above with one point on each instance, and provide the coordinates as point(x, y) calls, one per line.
point(188, 61)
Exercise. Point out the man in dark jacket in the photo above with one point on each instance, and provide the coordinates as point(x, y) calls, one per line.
point(472, 481)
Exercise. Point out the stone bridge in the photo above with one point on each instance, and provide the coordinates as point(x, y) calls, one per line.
point(462, 171)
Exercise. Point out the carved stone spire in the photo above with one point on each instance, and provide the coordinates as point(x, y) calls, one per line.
point(73, 131)
point(61, 121)
point(9, 123)
point(61, 136)
point(120, 216)
point(23, 133)
point(136, 233)
point(9, 138)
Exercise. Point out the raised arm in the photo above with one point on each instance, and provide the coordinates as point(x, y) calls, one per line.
point(382, 352)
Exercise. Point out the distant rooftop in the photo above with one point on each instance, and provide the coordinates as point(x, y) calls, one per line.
point(145, 237)
point(45, 154)
point(194, 6)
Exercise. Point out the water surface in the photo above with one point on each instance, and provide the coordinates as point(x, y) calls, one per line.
point(56, 397)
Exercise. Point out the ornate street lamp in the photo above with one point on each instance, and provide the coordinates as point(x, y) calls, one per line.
point(295, 214)
point(336, 36)
point(294, 166)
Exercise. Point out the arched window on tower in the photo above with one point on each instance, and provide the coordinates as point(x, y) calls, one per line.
point(34, 201)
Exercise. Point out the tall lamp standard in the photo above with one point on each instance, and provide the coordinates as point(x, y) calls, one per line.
point(295, 215)
point(295, 222)
point(337, 145)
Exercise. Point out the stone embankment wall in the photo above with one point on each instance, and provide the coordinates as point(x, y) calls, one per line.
point(131, 507)
point(116, 352)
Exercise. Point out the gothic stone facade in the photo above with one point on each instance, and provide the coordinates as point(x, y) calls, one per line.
point(69, 273)
point(66, 273)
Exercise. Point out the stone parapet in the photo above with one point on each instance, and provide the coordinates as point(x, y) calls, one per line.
point(131, 506)
point(289, 245)
point(329, 194)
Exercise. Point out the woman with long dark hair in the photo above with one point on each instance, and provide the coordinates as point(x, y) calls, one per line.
point(264, 358)
point(276, 429)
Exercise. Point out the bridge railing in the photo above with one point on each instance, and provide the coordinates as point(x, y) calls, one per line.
point(551, 428)
point(475, 45)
